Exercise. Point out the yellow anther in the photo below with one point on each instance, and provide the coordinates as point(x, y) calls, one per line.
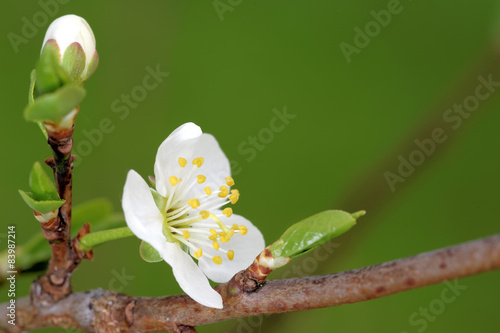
point(224, 191)
point(227, 211)
point(198, 161)
point(208, 190)
point(213, 238)
point(216, 246)
point(229, 181)
point(224, 239)
point(186, 234)
point(235, 191)
point(213, 232)
point(243, 230)
point(197, 254)
point(201, 179)
point(234, 198)
point(229, 234)
point(182, 162)
point(230, 254)
point(205, 214)
point(194, 203)
point(235, 227)
point(217, 260)
point(173, 180)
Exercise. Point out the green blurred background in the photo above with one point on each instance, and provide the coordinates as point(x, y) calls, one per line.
point(229, 68)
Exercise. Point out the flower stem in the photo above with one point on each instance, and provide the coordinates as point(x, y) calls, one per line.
point(87, 242)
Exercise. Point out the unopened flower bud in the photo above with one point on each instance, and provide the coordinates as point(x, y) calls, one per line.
point(77, 48)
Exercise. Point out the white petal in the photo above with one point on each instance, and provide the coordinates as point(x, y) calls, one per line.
point(192, 280)
point(167, 159)
point(245, 247)
point(141, 214)
point(189, 143)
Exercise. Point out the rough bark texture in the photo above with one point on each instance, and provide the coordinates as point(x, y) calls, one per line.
point(105, 311)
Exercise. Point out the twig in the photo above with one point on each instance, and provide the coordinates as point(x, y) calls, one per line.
point(56, 283)
point(106, 311)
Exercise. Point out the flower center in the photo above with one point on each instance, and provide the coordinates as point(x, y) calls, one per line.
point(193, 218)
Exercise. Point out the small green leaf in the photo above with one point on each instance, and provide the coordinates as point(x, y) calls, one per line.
point(54, 106)
point(31, 99)
point(43, 206)
point(73, 61)
point(312, 232)
point(41, 184)
point(148, 253)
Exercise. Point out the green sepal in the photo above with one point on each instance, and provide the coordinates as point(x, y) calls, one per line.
point(148, 253)
point(41, 185)
point(159, 200)
point(312, 232)
point(73, 61)
point(48, 69)
point(54, 106)
point(43, 206)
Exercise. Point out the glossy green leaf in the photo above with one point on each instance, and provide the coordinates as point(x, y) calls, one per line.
point(312, 232)
point(148, 253)
point(41, 185)
point(43, 206)
point(54, 106)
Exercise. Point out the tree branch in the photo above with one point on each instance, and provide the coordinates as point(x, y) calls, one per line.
point(106, 311)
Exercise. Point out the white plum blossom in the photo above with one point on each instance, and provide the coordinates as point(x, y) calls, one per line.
point(183, 218)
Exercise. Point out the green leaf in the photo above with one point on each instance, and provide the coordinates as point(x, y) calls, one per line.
point(41, 185)
point(43, 206)
point(148, 253)
point(73, 61)
point(54, 106)
point(312, 232)
point(31, 99)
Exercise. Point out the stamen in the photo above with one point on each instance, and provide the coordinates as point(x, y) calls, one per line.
point(243, 230)
point(234, 198)
point(197, 254)
point(216, 246)
point(194, 203)
point(201, 179)
point(230, 254)
point(205, 214)
point(217, 260)
point(198, 161)
point(229, 181)
point(224, 239)
point(208, 190)
point(224, 191)
point(186, 234)
point(227, 211)
point(182, 162)
point(213, 232)
point(235, 227)
point(173, 180)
